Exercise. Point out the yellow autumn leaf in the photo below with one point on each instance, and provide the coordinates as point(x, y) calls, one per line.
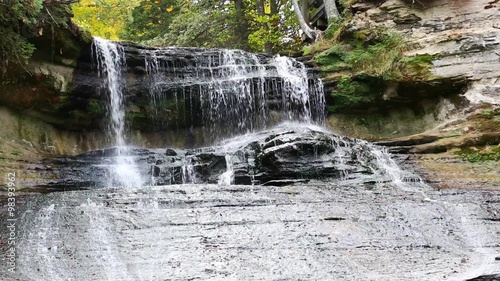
point(170, 9)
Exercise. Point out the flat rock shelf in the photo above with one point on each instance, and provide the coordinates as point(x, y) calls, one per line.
point(214, 232)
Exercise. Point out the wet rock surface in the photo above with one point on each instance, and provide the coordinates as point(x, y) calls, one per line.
point(176, 88)
point(290, 153)
point(213, 232)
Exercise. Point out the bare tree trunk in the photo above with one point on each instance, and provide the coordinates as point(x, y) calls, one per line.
point(331, 10)
point(274, 7)
point(304, 9)
point(260, 7)
point(309, 32)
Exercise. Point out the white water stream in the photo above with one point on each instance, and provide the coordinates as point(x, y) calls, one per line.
point(111, 65)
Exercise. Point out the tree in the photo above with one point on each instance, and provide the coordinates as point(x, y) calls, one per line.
point(23, 20)
point(252, 25)
point(332, 13)
point(16, 15)
point(308, 31)
point(203, 23)
point(149, 19)
point(331, 10)
point(242, 29)
point(103, 18)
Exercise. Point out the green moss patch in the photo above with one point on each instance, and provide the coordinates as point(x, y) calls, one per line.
point(353, 92)
point(488, 153)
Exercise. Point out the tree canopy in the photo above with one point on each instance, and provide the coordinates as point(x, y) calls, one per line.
point(254, 25)
point(104, 18)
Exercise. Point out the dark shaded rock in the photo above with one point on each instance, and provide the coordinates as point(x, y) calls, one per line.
point(285, 182)
point(492, 277)
point(408, 141)
point(156, 171)
point(165, 87)
point(170, 152)
point(409, 18)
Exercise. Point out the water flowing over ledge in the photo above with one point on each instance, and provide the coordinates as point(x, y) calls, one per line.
point(228, 91)
point(206, 94)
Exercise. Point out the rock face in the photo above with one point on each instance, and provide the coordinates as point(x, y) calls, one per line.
point(464, 39)
point(451, 116)
point(288, 154)
point(214, 232)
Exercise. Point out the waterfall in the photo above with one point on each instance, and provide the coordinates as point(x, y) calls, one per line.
point(227, 178)
point(111, 65)
point(232, 91)
point(286, 202)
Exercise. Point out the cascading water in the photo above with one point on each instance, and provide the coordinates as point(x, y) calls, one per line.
point(111, 63)
point(233, 91)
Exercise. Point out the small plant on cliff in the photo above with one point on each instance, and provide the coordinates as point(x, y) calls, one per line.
point(417, 67)
point(376, 54)
point(469, 155)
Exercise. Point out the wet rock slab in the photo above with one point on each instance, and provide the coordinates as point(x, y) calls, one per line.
point(211, 232)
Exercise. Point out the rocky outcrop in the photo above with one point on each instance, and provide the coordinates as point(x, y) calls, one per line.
point(462, 37)
point(286, 155)
point(41, 88)
point(192, 96)
point(448, 120)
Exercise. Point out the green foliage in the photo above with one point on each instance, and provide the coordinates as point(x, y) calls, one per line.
point(103, 18)
point(488, 113)
point(22, 20)
point(417, 67)
point(335, 29)
point(265, 31)
point(367, 56)
point(149, 19)
point(15, 152)
point(218, 24)
point(352, 92)
point(95, 107)
point(334, 59)
point(196, 27)
point(472, 156)
point(376, 55)
point(17, 17)
point(274, 32)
